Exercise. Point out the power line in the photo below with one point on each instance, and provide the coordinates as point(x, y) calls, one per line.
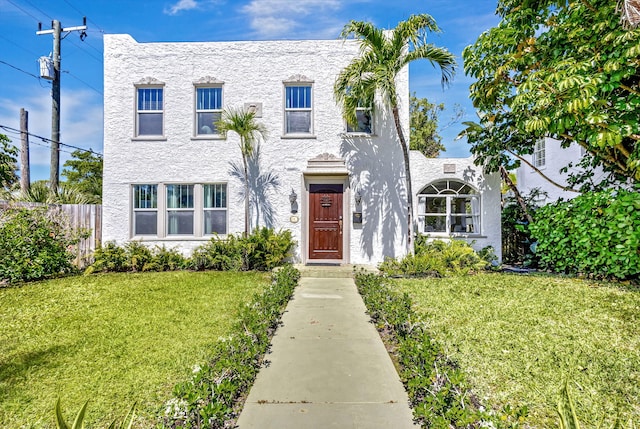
point(24, 11)
point(39, 10)
point(19, 69)
point(44, 139)
point(83, 14)
point(21, 47)
point(82, 81)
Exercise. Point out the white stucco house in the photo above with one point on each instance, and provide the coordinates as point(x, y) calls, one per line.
point(550, 158)
point(169, 177)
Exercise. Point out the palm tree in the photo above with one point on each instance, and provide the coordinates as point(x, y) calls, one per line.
point(261, 182)
point(383, 55)
point(243, 123)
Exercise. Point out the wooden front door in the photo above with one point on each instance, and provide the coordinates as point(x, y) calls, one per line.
point(325, 221)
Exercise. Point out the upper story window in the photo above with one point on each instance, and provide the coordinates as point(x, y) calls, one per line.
point(298, 110)
point(449, 207)
point(180, 210)
point(539, 155)
point(150, 111)
point(145, 209)
point(208, 109)
point(364, 125)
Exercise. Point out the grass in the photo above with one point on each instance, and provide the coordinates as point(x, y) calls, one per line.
point(113, 339)
point(518, 337)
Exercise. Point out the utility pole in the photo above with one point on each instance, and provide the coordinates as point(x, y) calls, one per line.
point(25, 176)
point(57, 30)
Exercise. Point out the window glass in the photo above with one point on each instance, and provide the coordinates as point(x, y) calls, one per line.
point(215, 208)
point(208, 110)
point(298, 109)
point(449, 206)
point(180, 210)
point(145, 209)
point(364, 122)
point(150, 111)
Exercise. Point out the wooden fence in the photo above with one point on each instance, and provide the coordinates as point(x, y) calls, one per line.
point(82, 217)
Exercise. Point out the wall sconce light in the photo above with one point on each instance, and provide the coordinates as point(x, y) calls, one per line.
point(293, 199)
point(358, 198)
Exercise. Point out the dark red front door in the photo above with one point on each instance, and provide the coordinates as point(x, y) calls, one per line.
point(325, 221)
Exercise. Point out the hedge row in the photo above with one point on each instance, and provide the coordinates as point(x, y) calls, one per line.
point(594, 234)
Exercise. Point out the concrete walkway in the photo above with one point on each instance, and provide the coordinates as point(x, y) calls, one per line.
point(328, 367)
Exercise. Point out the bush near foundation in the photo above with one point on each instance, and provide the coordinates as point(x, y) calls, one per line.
point(439, 258)
point(596, 234)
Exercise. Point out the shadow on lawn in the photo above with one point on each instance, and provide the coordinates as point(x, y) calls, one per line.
point(14, 369)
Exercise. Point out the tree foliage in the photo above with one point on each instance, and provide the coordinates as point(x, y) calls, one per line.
point(383, 56)
point(424, 135)
point(562, 69)
point(8, 162)
point(84, 174)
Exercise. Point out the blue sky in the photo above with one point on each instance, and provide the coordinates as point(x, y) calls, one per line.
point(199, 20)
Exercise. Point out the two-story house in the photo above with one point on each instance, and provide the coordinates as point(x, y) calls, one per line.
point(171, 179)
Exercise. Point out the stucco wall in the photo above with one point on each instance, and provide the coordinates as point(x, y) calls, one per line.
point(251, 72)
point(556, 158)
point(425, 171)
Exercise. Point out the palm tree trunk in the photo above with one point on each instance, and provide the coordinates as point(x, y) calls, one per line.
point(246, 196)
point(407, 172)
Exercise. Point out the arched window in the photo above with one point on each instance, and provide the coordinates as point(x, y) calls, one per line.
point(449, 207)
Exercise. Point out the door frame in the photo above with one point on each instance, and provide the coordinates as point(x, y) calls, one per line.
point(346, 209)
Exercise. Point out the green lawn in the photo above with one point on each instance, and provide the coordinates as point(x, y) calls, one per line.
point(113, 339)
point(518, 337)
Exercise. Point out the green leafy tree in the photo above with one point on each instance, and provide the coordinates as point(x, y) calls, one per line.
point(244, 124)
point(383, 56)
point(8, 162)
point(567, 70)
point(424, 135)
point(83, 173)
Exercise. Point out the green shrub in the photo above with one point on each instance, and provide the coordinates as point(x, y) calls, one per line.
point(264, 249)
point(219, 254)
point(135, 256)
point(595, 234)
point(35, 244)
point(211, 398)
point(164, 259)
point(438, 259)
point(108, 258)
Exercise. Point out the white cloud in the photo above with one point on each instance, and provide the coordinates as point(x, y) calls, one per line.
point(275, 18)
point(180, 6)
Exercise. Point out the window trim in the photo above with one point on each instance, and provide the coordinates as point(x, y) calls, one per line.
point(137, 111)
point(539, 156)
point(298, 81)
point(196, 132)
point(191, 210)
point(450, 193)
point(162, 209)
point(135, 209)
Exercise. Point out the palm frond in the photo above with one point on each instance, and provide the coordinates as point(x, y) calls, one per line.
point(243, 123)
point(437, 57)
